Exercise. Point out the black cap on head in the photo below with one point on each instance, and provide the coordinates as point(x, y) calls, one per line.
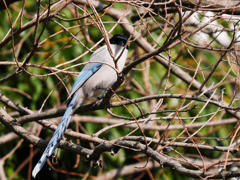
point(119, 40)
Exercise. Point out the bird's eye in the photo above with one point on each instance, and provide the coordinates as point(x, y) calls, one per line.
point(121, 43)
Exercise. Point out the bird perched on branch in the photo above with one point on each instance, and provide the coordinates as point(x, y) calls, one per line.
point(99, 74)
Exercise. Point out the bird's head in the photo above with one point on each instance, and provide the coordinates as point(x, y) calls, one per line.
point(119, 39)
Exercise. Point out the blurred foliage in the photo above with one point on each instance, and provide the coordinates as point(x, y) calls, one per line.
point(33, 88)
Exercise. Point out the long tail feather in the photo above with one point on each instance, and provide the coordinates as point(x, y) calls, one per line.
point(54, 142)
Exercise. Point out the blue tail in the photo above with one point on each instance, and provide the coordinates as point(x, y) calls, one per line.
point(57, 136)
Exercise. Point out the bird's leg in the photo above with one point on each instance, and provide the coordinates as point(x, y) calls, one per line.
point(102, 89)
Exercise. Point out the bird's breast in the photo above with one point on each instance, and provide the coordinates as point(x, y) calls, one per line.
point(106, 76)
point(100, 81)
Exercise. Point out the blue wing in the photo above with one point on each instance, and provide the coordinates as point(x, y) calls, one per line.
point(83, 76)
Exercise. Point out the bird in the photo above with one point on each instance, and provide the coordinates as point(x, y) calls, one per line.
point(98, 75)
